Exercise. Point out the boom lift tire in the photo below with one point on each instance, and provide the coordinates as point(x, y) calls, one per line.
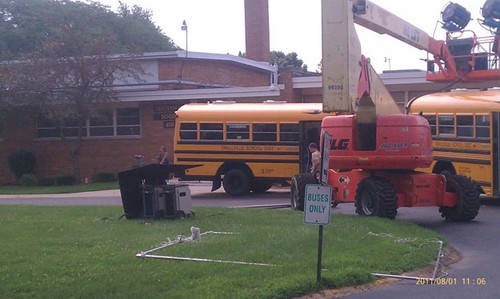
point(236, 182)
point(375, 196)
point(467, 206)
point(298, 189)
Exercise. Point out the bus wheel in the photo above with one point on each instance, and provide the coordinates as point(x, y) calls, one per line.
point(376, 197)
point(260, 186)
point(236, 182)
point(467, 206)
point(298, 189)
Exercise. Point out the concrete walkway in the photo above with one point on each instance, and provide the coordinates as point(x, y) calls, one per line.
point(200, 192)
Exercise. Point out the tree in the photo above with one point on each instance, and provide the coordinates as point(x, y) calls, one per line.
point(68, 76)
point(26, 25)
point(136, 30)
point(289, 60)
point(74, 89)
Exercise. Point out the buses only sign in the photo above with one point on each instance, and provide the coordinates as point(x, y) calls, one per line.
point(317, 204)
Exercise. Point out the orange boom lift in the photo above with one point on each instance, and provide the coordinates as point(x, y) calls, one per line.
point(374, 149)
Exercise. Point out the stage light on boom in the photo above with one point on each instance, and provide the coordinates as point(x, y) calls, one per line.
point(455, 17)
point(491, 13)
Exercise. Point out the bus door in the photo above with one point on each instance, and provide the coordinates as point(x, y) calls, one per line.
point(495, 123)
point(308, 132)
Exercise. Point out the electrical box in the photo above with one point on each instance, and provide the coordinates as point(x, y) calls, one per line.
point(166, 201)
point(178, 201)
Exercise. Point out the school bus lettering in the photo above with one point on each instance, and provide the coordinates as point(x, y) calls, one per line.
point(247, 148)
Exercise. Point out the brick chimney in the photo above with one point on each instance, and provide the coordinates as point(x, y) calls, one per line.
point(257, 30)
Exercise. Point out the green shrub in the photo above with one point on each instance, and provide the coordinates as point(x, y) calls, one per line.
point(66, 180)
point(103, 177)
point(28, 180)
point(21, 162)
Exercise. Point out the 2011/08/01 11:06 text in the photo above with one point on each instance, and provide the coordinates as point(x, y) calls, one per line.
point(479, 281)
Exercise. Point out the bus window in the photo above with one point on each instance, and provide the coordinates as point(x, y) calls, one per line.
point(465, 126)
point(446, 124)
point(237, 132)
point(211, 131)
point(482, 126)
point(431, 118)
point(289, 133)
point(264, 132)
point(188, 131)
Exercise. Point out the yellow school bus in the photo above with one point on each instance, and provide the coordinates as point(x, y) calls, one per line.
point(246, 147)
point(465, 130)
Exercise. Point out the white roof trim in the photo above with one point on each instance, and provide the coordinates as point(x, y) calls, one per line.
point(307, 82)
point(196, 94)
point(211, 56)
point(393, 78)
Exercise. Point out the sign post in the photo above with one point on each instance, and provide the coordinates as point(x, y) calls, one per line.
point(325, 157)
point(317, 204)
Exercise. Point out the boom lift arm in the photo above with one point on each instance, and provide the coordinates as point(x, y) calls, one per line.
point(350, 84)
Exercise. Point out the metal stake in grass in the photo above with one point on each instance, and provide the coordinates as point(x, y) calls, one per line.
point(195, 236)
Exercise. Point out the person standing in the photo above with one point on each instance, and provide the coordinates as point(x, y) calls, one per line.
point(315, 158)
point(163, 155)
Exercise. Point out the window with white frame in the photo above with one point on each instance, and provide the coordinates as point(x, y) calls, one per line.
point(108, 123)
point(128, 122)
point(102, 124)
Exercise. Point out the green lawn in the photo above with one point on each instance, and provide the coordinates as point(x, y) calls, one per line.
point(57, 189)
point(87, 252)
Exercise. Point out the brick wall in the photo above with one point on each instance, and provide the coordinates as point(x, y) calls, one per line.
point(117, 154)
point(290, 94)
point(257, 30)
point(98, 155)
point(211, 72)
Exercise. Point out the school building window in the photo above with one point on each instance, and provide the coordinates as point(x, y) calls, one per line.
point(109, 123)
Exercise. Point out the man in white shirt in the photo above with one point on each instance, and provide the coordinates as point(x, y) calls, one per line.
point(315, 158)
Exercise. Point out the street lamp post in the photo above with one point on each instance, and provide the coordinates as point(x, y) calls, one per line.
point(388, 60)
point(184, 27)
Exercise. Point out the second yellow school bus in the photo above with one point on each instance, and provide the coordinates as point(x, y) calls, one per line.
point(466, 131)
point(245, 146)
